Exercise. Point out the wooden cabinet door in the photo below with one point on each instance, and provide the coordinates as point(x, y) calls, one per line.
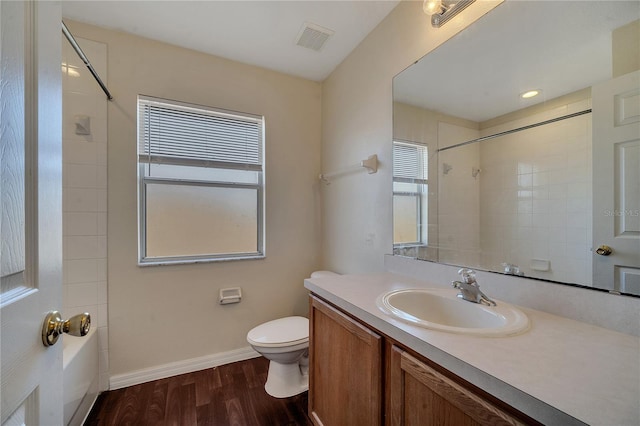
point(421, 396)
point(345, 369)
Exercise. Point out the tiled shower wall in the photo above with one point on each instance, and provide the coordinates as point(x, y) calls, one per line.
point(85, 193)
point(536, 202)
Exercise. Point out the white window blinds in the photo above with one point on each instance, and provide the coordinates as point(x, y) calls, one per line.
point(178, 133)
point(410, 162)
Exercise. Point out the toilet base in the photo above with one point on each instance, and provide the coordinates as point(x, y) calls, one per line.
point(286, 380)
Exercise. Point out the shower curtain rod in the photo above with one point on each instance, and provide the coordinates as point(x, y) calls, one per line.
point(84, 58)
point(519, 129)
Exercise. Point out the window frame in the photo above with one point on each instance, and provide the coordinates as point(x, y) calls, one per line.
point(144, 180)
point(422, 191)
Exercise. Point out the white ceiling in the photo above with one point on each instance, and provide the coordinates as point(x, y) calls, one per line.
point(559, 47)
point(261, 33)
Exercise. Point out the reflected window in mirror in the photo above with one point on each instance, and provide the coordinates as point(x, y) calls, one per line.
point(410, 195)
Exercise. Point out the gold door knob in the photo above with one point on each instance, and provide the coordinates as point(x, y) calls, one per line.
point(53, 326)
point(604, 250)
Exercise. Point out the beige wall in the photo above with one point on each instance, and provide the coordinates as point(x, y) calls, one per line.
point(357, 121)
point(626, 48)
point(164, 314)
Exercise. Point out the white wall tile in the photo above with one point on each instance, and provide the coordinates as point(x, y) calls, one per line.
point(102, 246)
point(82, 247)
point(102, 315)
point(103, 361)
point(80, 176)
point(102, 269)
point(84, 197)
point(79, 271)
point(550, 172)
point(79, 152)
point(101, 223)
point(99, 130)
point(80, 200)
point(103, 381)
point(101, 177)
point(102, 292)
point(80, 223)
point(82, 294)
point(101, 200)
point(101, 153)
point(103, 337)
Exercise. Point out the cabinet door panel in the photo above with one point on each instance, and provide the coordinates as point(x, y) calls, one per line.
point(345, 385)
point(422, 396)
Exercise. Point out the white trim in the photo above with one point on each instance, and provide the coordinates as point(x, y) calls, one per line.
point(180, 367)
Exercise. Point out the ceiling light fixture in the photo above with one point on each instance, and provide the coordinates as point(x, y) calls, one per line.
point(431, 7)
point(530, 94)
point(442, 11)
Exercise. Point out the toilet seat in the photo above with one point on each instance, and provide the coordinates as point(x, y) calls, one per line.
point(281, 332)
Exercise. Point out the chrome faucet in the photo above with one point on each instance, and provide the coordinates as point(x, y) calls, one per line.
point(511, 269)
point(469, 288)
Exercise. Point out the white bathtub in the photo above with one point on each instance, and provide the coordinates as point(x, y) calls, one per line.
point(80, 376)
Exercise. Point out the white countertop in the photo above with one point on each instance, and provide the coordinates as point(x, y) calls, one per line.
point(560, 371)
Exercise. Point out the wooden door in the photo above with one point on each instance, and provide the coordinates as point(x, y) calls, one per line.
point(616, 183)
point(418, 395)
point(345, 369)
point(31, 195)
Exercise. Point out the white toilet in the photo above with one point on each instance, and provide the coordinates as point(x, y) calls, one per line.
point(285, 343)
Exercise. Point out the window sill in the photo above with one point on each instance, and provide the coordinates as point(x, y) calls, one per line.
point(188, 261)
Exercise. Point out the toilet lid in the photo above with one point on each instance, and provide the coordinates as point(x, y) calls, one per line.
point(280, 332)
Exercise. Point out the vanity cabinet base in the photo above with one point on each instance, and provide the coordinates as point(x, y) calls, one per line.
point(358, 376)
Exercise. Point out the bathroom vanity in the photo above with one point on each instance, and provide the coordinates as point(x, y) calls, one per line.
point(368, 367)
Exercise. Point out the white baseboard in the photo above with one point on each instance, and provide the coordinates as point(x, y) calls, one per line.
point(180, 367)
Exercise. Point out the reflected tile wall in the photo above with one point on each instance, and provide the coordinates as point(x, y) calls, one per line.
point(85, 193)
point(458, 197)
point(536, 196)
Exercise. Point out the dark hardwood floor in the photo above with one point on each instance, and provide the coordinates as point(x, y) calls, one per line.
point(231, 394)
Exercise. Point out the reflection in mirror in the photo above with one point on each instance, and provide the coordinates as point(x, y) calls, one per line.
point(511, 184)
point(410, 193)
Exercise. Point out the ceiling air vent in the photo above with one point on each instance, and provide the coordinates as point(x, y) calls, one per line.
point(313, 36)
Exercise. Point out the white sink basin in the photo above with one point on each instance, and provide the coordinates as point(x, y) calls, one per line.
point(440, 309)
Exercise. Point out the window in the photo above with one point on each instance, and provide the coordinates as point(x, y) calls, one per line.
point(410, 193)
point(201, 184)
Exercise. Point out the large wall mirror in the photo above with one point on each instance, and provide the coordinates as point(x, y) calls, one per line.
point(517, 146)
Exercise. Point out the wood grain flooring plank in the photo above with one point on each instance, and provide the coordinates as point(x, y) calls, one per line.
point(142, 402)
point(202, 380)
point(130, 404)
point(229, 395)
point(215, 381)
point(265, 409)
point(251, 376)
point(217, 409)
point(188, 404)
point(297, 407)
point(155, 411)
point(112, 408)
point(173, 407)
point(203, 416)
point(235, 413)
